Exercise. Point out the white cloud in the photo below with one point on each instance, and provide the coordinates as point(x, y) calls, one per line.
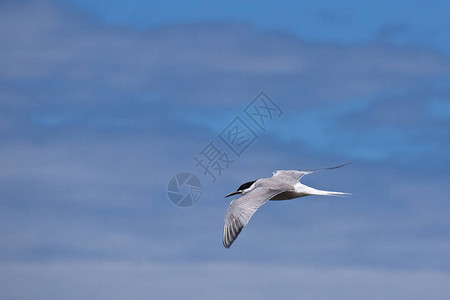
point(91, 134)
point(207, 63)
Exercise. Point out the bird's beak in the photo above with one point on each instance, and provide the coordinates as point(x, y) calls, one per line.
point(231, 194)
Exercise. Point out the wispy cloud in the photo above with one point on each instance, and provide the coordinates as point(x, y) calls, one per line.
point(94, 120)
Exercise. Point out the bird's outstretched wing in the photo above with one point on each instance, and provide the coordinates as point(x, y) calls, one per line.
point(242, 209)
point(289, 176)
point(293, 176)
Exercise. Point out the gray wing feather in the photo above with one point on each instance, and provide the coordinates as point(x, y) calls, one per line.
point(289, 176)
point(242, 209)
point(293, 176)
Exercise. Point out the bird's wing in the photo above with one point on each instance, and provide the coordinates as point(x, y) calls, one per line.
point(293, 176)
point(329, 168)
point(242, 209)
point(290, 176)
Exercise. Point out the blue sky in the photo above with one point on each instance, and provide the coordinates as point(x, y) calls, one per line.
point(102, 102)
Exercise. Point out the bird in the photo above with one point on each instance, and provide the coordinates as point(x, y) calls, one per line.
point(283, 185)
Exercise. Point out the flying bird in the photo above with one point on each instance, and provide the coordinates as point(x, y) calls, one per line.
point(283, 185)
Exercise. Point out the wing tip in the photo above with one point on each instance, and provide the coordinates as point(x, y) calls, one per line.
point(329, 168)
point(230, 233)
point(225, 239)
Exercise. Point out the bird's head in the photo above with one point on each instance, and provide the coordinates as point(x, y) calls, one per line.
point(242, 189)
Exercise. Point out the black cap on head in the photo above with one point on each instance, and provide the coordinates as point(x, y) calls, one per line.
point(241, 188)
point(246, 185)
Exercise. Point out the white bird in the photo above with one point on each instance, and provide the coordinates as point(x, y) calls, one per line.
point(283, 185)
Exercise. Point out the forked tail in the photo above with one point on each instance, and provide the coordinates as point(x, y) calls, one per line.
point(328, 193)
point(313, 191)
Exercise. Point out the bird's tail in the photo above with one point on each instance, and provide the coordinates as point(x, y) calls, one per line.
point(313, 191)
